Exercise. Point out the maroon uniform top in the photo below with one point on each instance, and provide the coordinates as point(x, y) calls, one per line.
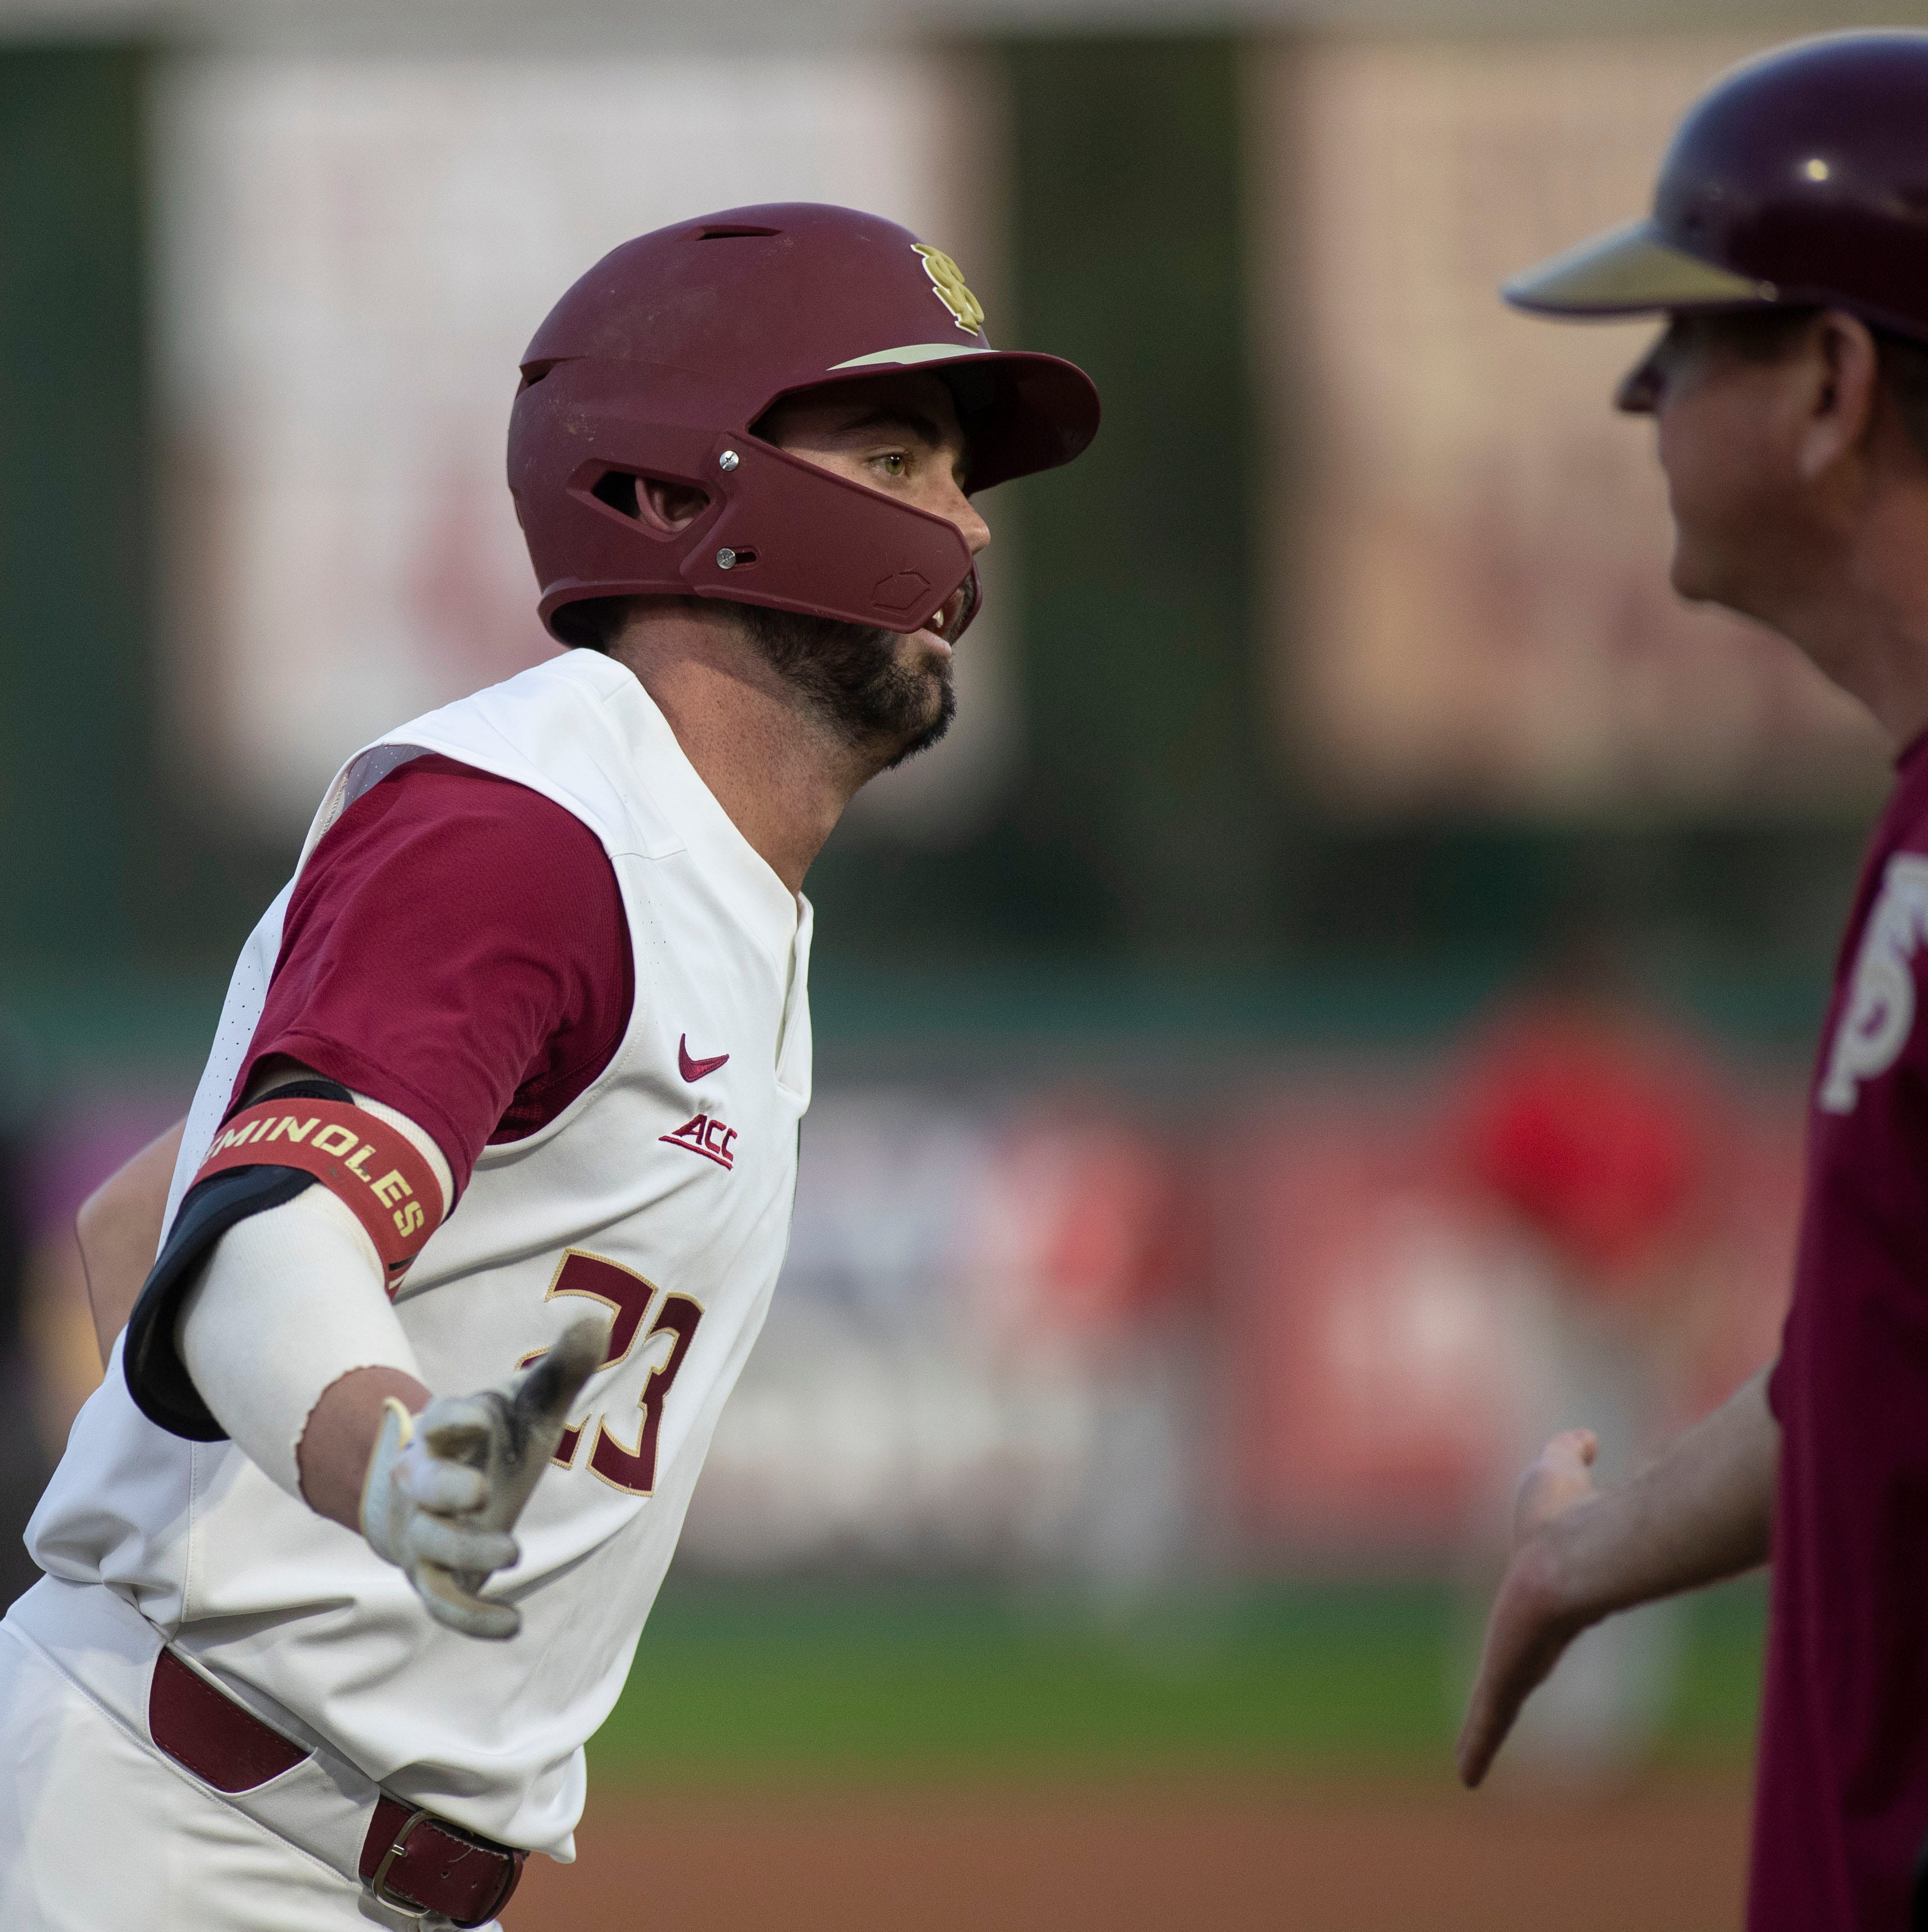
point(456, 948)
point(1841, 1805)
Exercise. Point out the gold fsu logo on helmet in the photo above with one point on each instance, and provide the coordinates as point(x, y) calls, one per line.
point(947, 279)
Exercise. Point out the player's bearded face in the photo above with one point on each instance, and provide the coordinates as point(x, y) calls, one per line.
point(888, 695)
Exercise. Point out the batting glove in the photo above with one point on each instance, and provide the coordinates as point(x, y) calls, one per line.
point(444, 1488)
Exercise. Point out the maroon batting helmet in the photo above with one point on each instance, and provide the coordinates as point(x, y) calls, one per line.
point(1800, 178)
point(661, 360)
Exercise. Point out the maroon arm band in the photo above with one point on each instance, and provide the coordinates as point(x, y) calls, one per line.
point(374, 1169)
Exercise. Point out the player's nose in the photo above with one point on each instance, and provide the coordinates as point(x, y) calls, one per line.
point(952, 503)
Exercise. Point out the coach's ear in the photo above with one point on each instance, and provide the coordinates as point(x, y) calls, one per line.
point(1840, 395)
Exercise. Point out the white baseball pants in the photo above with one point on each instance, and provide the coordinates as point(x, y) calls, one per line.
point(100, 1832)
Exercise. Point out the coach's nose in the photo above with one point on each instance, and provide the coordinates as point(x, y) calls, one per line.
point(1638, 393)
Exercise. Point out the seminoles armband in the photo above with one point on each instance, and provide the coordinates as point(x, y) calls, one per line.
point(307, 1133)
point(374, 1169)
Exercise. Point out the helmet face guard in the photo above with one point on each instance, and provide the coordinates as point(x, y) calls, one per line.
point(657, 363)
point(777, 530)
point(1800, 178)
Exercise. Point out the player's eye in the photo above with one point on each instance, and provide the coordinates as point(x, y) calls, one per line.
point(894, 463)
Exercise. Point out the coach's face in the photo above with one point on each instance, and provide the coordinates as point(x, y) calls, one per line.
point(1757, 422)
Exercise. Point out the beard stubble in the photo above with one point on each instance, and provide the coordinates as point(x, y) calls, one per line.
point(851, 676)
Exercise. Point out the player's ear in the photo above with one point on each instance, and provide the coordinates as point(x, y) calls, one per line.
point(664, 507)
point(670, 508)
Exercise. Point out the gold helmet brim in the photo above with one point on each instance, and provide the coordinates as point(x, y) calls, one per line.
point(1630, 271)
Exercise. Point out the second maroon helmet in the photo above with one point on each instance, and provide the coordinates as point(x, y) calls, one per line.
point(1801, 177)
point(660, 362)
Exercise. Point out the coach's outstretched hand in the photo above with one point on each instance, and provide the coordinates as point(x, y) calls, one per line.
point(1703, 1509)
point(444, 1488)
point(1534, 1617)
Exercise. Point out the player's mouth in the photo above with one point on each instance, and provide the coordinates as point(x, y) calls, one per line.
point(954, 613)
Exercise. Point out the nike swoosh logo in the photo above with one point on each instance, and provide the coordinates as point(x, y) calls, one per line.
point(694, 1070)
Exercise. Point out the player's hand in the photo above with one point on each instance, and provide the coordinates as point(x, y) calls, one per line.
point(444, 1488)
point(1533, 1618)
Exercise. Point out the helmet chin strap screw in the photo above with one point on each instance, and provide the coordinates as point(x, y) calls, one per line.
point(728, 461)
point(726, 559)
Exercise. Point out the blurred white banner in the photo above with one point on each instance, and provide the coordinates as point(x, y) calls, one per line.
point(1470, 567)
point(973, 1362)
point(353, 253)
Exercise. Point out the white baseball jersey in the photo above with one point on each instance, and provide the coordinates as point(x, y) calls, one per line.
point(663, 1201)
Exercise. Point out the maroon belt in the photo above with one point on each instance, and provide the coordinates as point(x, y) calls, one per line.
point(410, 1859)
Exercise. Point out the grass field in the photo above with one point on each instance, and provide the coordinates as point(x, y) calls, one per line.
point(844, 1758)
point(816, 1681)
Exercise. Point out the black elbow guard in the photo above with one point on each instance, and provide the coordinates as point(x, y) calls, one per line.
point(156, 1377)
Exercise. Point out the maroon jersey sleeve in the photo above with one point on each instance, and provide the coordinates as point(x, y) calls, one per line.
point(456, 948)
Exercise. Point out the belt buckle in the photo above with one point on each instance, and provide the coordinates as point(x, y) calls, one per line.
point(378, 1883)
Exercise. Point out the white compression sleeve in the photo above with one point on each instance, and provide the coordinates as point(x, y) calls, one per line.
point(290, 1301)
